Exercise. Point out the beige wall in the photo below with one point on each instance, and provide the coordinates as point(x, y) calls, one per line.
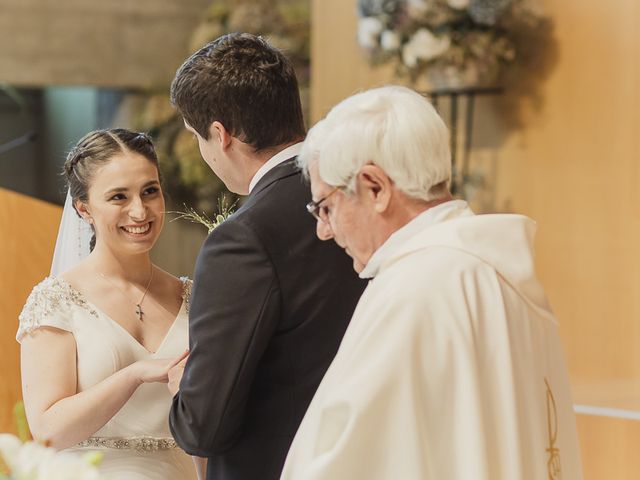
point(28, 230)
point(111, 43)
point(573, 165)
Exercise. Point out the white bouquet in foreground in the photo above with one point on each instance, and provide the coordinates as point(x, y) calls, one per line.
point(33, 461)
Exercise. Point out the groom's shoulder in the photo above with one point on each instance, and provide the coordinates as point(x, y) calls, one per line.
point(275, 213)
point(284, 196)
point(291, 192)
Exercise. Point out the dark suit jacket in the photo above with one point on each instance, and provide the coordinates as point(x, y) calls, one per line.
point(269, 308)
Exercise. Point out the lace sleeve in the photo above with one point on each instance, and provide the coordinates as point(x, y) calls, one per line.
point(47, 306)
point(187, 284)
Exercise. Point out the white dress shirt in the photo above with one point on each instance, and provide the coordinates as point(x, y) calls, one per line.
point(277, 159)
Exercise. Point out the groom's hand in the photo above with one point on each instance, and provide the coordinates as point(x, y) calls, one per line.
point(175, 375)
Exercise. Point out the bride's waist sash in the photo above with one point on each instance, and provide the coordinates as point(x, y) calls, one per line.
point(140, 444)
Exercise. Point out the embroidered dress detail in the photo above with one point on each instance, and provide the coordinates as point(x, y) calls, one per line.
point(49, 304)
point(140, 444)
point(187, 285)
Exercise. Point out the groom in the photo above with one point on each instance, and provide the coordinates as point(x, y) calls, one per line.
point(270, 301)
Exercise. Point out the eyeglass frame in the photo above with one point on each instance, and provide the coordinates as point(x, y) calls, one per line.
point(314, 207)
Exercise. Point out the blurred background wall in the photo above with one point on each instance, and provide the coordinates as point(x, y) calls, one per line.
point(28, 229)
point(66, 67)
point(106, 43)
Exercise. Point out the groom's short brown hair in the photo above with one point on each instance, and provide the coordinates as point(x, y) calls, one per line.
point(244, 83)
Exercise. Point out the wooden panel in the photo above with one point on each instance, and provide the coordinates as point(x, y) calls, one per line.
point(339, 69)
point(574, 168)
point(609, 448)
point(111, 43)
point(28, 230)
point(619, 394)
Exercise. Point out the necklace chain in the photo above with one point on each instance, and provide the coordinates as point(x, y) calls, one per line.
point(139, 311)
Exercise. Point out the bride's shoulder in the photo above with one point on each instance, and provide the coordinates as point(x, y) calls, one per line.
point(52, 293)
point(48, 304)
point(187, 283)
point(50, 286)
point(181, 285)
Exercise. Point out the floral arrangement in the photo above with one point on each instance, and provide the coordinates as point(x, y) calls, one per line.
point(456, 42)
point(33, 461)
point(286, 24)
point(22, 459)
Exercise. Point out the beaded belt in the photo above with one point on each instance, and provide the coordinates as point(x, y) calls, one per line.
point(141, 444)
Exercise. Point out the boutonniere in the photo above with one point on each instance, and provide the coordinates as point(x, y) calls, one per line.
point(225, 210)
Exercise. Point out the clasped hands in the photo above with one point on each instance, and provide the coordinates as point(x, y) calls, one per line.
point(175, 373)
point(161, 370)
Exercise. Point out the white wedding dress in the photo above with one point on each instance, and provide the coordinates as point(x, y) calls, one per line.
point(136, 443)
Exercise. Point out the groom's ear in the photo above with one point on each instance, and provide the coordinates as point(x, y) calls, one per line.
point(83, 210)
point(219, 133)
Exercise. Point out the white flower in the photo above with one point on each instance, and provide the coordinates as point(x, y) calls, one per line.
point(416, 8)
point(9, 448)
point(369, 29)
point(424, 45)
point(390, 41)
point(458, 4)
point(23, 460)
point(32, 461)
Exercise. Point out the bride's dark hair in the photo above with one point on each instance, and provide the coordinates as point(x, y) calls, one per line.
point(97, 148)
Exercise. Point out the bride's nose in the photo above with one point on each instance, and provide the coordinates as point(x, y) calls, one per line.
point(137, 210)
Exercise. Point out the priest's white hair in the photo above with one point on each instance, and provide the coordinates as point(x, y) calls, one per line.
point(393, 127)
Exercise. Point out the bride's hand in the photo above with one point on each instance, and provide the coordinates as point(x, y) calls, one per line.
point(157, 370)
point(175, 376)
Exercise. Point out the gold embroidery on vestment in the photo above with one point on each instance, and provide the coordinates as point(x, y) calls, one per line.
point(553, 463)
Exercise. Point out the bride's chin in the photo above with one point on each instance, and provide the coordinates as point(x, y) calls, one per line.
point(139, 244)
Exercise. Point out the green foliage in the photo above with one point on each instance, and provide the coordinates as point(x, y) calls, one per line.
point(20, 417)
point(225, 210)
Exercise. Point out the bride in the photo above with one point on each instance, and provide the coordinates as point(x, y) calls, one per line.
point(98, 340)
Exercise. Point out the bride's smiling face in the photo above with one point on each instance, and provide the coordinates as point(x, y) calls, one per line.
point(125, 204)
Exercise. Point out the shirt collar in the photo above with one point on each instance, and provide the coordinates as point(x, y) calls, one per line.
point(429, 217)
point(289, 152)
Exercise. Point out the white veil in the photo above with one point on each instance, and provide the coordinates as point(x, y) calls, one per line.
point(74, 237)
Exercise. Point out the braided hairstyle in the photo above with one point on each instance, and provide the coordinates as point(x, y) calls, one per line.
point(96, 149)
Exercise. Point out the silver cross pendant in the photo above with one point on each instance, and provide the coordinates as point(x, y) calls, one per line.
point(139, 312)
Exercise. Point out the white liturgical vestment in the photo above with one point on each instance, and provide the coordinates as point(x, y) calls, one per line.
point(451, 368)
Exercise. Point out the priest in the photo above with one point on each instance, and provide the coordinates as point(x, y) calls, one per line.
point(452, 366)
